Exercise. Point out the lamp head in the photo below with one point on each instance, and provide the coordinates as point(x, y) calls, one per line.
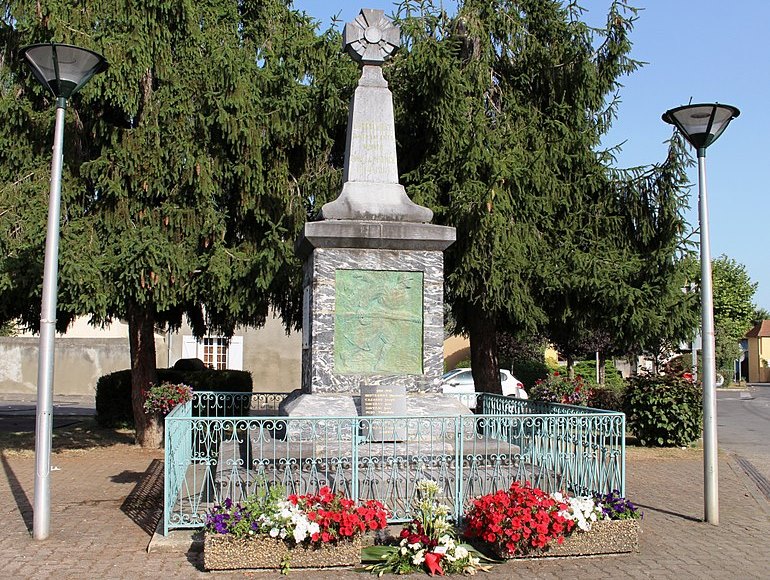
point(62, 68)
point(701, 124)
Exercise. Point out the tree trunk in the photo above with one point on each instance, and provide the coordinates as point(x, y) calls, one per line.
point(570, 367)
point(486, 369)
point(141, 338)
point(602, 366)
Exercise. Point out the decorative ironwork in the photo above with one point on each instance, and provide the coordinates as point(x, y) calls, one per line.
point(210, 458)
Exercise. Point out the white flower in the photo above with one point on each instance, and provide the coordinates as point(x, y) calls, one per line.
point(403, 550)
point(415, 546)
point(299, 533)
point(428, 487)
point(274, 532)
point(418, 558)
point(461, 552)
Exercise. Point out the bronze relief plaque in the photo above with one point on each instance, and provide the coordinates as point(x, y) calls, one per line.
point(378, 323)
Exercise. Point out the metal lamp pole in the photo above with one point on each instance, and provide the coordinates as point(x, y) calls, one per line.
point(701, 125)
point(63, 70)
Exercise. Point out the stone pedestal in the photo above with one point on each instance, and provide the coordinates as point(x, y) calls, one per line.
point(373, 307)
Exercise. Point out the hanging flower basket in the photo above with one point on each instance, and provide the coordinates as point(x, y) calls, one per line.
point(225, 552)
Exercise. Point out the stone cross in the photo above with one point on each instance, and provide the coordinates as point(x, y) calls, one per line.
point(370, 189)
point(371, 38)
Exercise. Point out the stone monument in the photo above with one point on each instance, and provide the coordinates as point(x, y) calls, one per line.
point(374, 268)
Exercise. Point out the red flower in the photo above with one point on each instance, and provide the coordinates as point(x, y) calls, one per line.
point(432, 560)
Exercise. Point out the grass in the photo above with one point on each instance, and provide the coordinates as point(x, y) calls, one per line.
point(81, 435)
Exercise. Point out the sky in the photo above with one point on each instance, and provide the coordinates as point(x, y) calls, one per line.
point(704, 50)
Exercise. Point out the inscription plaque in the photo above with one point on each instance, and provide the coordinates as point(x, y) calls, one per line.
point(384, 401)
point(378, 323)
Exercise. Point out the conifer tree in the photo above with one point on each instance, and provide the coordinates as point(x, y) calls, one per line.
point(190, 165)
point(502, 110)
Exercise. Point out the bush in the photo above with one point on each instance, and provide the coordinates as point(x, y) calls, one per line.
point(612, 377)
point(529, 371)
point(608, 398)
point(113, 392)
point(663, 411)
point(558, 388)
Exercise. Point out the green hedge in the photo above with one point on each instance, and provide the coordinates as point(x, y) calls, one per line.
point(613, 379)
point(113, 391)
point(529, 372)
point(663, 411)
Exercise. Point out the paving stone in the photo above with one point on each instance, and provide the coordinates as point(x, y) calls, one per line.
point(100, 530)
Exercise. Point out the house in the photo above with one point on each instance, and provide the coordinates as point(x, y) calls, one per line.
point(759, 352)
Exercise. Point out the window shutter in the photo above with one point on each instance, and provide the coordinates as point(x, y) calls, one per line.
point(189, 347)
point(235, 354)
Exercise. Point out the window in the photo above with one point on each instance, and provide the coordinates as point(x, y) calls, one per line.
point(215, 352)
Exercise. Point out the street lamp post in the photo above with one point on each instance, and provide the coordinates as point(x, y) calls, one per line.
point(63, 70)
point(701, 125)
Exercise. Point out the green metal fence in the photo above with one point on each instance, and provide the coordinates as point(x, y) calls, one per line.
point(211, 456)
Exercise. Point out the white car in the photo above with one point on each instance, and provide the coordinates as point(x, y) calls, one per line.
point(461, 381)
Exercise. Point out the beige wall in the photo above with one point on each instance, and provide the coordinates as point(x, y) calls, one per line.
point(759, 356)
point(78, 363)
point(85, 353)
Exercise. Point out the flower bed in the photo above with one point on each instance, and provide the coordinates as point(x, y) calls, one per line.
point(604, 537)
point(268, 531)
point(526, 522)
point(226, 552)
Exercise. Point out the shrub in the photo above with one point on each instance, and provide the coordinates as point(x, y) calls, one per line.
point(529, 371)
point(612, 376)
point(113, 392)
point(608, 398)
point(663, 411)
point(559, 388)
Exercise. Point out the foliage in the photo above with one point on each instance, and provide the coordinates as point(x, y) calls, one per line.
point(524, 355)
point(616, 507)
point(113, 392)
point(529, 371)
point(518, 520)
point(164, 397)
point(558, 388)
point(501, 109)
point(734, 310)
point(663, 411)
point(427, 543)
point(190, 166)
point(608, 398)
point(320, 518)
point(612, 377)
point(760, 314)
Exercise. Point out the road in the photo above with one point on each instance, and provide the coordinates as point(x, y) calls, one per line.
point(743, 428)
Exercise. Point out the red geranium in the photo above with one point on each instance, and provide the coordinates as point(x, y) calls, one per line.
point(339, 517)
point(518, 520)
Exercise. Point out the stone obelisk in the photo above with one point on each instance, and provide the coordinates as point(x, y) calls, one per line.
point(373, 271)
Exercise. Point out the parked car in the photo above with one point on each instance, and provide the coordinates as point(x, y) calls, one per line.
point(461, 381)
